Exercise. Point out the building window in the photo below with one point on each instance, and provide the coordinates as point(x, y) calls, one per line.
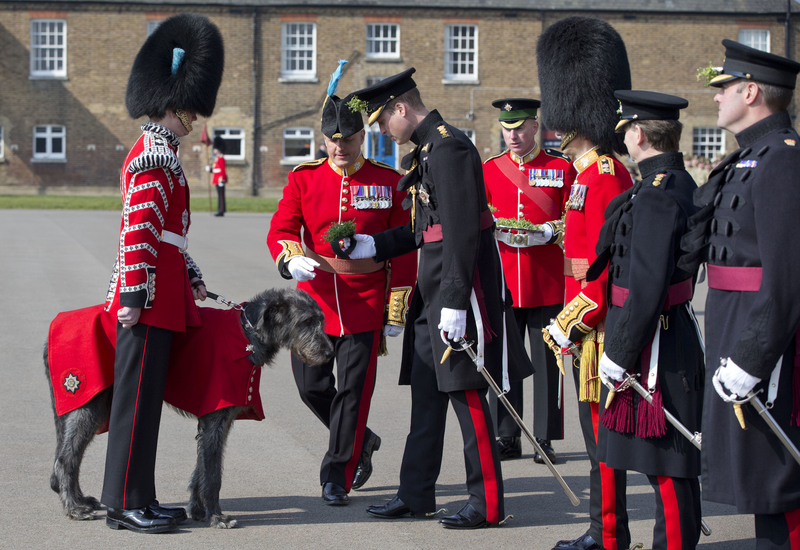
point(298, 144)
point(461, 52)
point(48, 48)
point(708, 142)
point(49, 143)
point(373, 80)
point(152, 25)
point(383, 41)
point(298, 50)
point(2, 144)
point(470, 132)
point(234, 142)
point(755, 38)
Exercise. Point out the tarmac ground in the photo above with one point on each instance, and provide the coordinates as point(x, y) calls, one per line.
point(53, 261)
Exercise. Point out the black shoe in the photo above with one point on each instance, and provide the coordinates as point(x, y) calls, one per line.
point(364, 467)
point(548, 451)
point(466, 518)
point(509, 448)
point(219, 214)
point(141, 520)
point(176, 513)
point(334, 494)
point(393, 509)
point(584, 542)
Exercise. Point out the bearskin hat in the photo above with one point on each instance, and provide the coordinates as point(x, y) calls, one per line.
point(338, 119)
point(582, 61)
point(179, 66)
point(219, 144)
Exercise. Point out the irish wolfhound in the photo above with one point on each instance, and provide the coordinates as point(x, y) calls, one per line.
point(280, 318)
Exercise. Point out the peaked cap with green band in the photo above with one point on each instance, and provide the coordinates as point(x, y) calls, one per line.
point(515, 111)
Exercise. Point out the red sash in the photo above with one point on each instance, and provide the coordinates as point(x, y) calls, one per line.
point(511, 170)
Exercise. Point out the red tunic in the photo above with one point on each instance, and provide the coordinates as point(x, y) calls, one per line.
point(535, 274)
point(218, 170)
point(155, 199)
point(319, 194)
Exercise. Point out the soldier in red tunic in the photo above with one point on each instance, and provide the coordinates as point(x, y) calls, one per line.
point(219, 177)
point(175, 77)
point(362, 301)
point(578, 102)
point(528, 184)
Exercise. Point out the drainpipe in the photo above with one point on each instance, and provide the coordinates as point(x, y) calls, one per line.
point(255, 172)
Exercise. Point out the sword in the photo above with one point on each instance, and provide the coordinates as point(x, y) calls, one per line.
point(466, 346)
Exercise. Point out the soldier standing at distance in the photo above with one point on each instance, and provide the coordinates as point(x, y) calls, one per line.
point(363, 301)
point(219, 177)
point(745, 230)
point(582, 61)
point(651, 331)
point(530, 184)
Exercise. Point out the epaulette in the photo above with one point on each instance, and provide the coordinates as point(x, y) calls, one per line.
point(496, 156)
point(558, 154)
point(605, 165)
point(443, 131)
point(158, 155)
point(790, 142)
point(383, 165)
point(309, 164)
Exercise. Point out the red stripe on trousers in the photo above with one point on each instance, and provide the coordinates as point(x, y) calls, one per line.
point(608, 489)
point(363, 412)
point(672, 513)
point(793, 522)
point(133, 427)
point(485, 454)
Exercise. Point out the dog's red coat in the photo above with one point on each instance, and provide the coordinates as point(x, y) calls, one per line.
point(209, 366)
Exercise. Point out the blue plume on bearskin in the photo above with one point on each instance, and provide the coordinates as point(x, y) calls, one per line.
point(163, 79)
point(337, 74)
point(582, 61)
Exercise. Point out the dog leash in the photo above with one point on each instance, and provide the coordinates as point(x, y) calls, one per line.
point(220, 299)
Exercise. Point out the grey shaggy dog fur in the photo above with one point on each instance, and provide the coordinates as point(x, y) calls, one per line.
point(282, 318)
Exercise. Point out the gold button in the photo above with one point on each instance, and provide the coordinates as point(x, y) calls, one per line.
point(344, 199)
point(345, 191)
point(344, 209)
point(249, 397)
point(346, 183)
point(250, 389)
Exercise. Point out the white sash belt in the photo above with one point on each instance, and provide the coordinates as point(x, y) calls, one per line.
point(175, 240)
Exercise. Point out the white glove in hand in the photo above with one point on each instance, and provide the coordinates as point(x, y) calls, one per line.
point(540, 238)
point(365, 247)
point(221, 184)
point(611, 369)
point(557, 335)
point(302, 268)
point(392, 330)
point(208, 168)
point(454, 323)
point(736, 380)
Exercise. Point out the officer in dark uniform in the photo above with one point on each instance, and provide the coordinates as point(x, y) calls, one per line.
point(650, 327)
point(460, 293)
point(744, 231)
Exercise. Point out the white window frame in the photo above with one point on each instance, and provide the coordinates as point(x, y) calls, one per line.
point(755, 38)
point(153, 24)
point(290, 31)
point(458, 52)
point(49, 132)
point(708, 141)
point(379, 38)
point(232, 133)
point(51, 51)
point(298, 132)
point(470, 132)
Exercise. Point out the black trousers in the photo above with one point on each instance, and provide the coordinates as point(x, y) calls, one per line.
point(778, 531)
point(548, 399)
point(678, 513)
point(221, 208)
point(344, 409)
point(140, 374)
point(422, 457)
point(607, 501)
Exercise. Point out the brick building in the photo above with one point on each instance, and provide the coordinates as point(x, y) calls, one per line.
point(64, 67)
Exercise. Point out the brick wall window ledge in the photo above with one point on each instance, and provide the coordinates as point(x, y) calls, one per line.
point(236, 162)
point(48, 161)
point(383, 60)
point(45, 77)
point(448, 82)
point(284, 162)
point(301, 80)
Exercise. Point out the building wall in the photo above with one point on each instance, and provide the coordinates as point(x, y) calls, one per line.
point(664, 52)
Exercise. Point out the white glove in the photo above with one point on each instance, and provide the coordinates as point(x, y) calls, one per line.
point(392, 330)
point(735, 380)
point(302, 268)
point(365, 246)
point(208, 168)
point(611, 369)
point(542, 238)
point(557, 335)
point(453, 322)
point(221, 184)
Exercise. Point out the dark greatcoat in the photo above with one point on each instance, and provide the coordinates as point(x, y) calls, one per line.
point(644, 227)
point(754, 203)
point(446, 177)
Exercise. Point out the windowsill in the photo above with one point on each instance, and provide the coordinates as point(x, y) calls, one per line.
point(236, 162)
point(294, 162)
point(383, 59)
point(45, 77)
point(298, 80)
point(448, 82)
point(48, 161)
